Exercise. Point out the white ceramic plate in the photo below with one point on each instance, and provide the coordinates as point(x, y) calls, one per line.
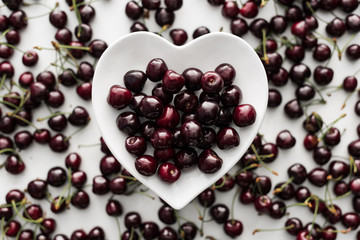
point(133, 52)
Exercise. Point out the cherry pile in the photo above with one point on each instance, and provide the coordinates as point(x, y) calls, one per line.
point(300, 44)
point(217, 105)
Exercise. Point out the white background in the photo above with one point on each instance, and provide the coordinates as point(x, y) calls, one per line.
point(109, 24)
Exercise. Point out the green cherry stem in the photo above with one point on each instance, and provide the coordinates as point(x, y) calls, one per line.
point(78, 17)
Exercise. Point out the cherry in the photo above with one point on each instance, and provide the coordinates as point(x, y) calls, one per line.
point(230, 9)
point(233, 228)
point(79, 116)
point(159, 92)
point(11, 99)
point(219, 213)
point(193, 79)
point(100, 185)
point(173, 5)
point(278, 24)
point(299, 73)
point(295, 53)
point(350, 83)
point(313, 123)
point(192, 132)
point(87, 13)
point(309, 41)
point(128, 123)
point(6, 69)
point(285, 140)
point(302, 193)
point(188, 230)
point(57, 122)
point(37, 189)
point(169, 172)
point(114, 208)
point(354, 185)
point(312, 22)
point(161, 138)
point(146, 165)
point(4, 22)
point(207, 112)
point(135, 80)
point(167, 214)
point(5, 51)
point(18, 19)
point(305, 92)
point(164, 17)
point(212, 82)
point(109, 165)
point(80, 199)
point(78, 179)
point(336, 27)
point(239, 27)
point(78, 235)
point(97, 48)
point(147, 129)
point(262, 204)
point(352, 22)
point(151, 107)
point(304, 235)
point(297, 226)
point(26, 234)
point(318, 177)
point(30, 58)
point(249, 10)
point(321, 155)
point(23, 139)
point(12, 228)
point(132, 220)
point(300, 29)
point(329, 233)
point(340, 188)
point(280, 78)
point(350, 220)
point(329, 5)
point(186, 101)
point(258, 26)
point(333, 215)
point(207, 197)
point(55, 98)
point(247, 196)
point(227, 138)
point(14, 195)
point(298, 173)
point(14, 164)
point(83, 34)
point(263, 184)
point(133, 10)
point(321, 52)
point(33, 212)
point(200, 31)
point(138, 26)
point(7, 125)
point(6, 213)
point(216, 2)
point(56, 176)
point(129, 235)
point(353, 51)
point(172, 81)
point(13, 37)
point(85, 71)
point(77, 53)
point(149, 230)
point(42, 136)
point(354, 148)
point(323, 75)
point(58, 19)
point(209, 161)
point(64, 36)
point(277, 210)
point(136, 145)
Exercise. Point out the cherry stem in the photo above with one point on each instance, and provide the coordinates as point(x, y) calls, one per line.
point(202, 221)
point(71, 135)
point(12, 46)
point(273, 229)
point(233, 204)
point(118, 227)
point(4, 150)
point(37, 221)
point(332, 41)
point(61, 198)
point(342, 196)
point(315, 214)
point(24, 120)
point(264, 38)
point(258, 158)
point(278, 190)
point(52, 115)
point(145, 194)
point(314, 13)
point(4, 33)
point(2, 80)
point(57, 45)
point(78, 17)
point(2, 228)
point(348, 42)
point(328, 127)
point(263, 3)
point(163, 29)
point(316, 90)
point(45, 14)
point(214, 186)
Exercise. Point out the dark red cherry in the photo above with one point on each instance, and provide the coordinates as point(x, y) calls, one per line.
point(14, 164)
point(151, 107)
point(56, 176)
point(300, 29)
point(109, 165)
point(83, 33)
point(164, 17)
point(192, 132)
point(18, 19)
point(220, 213)
point(97, 48)
point(59, 143)
point(161, 138)
point(133, 10)
point(207, 197)
point(302, 193)
point(318, 177)
point(211, 82)
point(149, 230)
point(262, 204)
point(278, 24)
point(42, 136)
point(227, 138)
point(193, 78)
point(136, 145)
point(285, 140)
point(209, 161)
point(58, 19)
point(172, 81)
point(239, 27)
point(87, 13)
point(118, 185)
point(156, 69)
point(200, 31)
point(350, 82)
point(321, 53)
point(295, 53)
point(233, 228)
point(298, 173)
point(185, 158)
point(151, 4)
point(128, 122)
point(352, 22)
point(37, 189)
point(55, 98)
point(114, 208)
point(146, 165)
point(12, 228)
point(297, 226)
point(30, 58)
point(80, 200)
point(100, 185)
point(336, 28)
point(64, 36)
point(305, 92)
point(207, 112)
point(351, 220)
point(323, 75)
point(322, 155)
point(230, 9)
point(258, 26)
point(249, 9)
point(186, 101)
point(244, 115)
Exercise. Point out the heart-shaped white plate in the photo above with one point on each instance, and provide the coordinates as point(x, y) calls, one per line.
point(133, 52)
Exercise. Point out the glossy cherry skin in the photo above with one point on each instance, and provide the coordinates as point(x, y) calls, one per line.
point(80, 200)
point(278, 24)
point(164, 16)
point(134, 80)
point(323, 75)
point(247, 196)
point(136, 145)
point(274, 99)
point(200, 31)
point(305, 92)
point(220, 213)
point(298, 173)
point(146, 165)
point(340, 188)
point(300, 29)
point(138, 26)
point(351, 220)
point(227, 138)
point(211, 82)
point(329, 233)
point(58, 19)
point(304, 235)
point(350, 82)
point(192, 132)
point(149, 229)
point(302, 193)
point(18, 19)
point(132, 220)
point(128, 123)
point(321, 53)
point(257, 26)
point(100, 185)
point(37, 189)
point(277, 210)
point(119, 97)
point(156, 69)
point(59, 143)
point(114, 208)
point(151, 107)
point(118, 185)
point(79, 116)
point(56, 176)
point(109, 165)
point(352, 22)
point(38, 91)
point(167, 214)
point(185, 158)
point(336, 27)
point(299, 73)
point(169, 172)
point(230, 9)
point(161, 138)
point(178, 36)
point(14, 164)
point(233, 228)
point(262, 204)
point(285, 140)
point(322, 155)
point(189, 230)
point(193, 78)
point(172, 81)
point(169, 118)
point(244, 115)
point(207, 112)
point(231, 96)
point(297, 226)
point(354, 148)
point(55, 98)
point(133, 10)
point(186, 101)
point(13, 227)
point(318, 177)
point(159, 92)
point(57, 122)
point(313, 123)
point(173, 5)
point(239, 27)
point(209, 161)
